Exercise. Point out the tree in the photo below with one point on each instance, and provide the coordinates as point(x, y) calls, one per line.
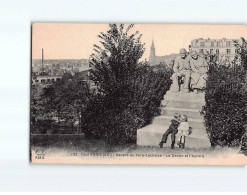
point(241, 57)
point(65, 99)
point(129, 90)
point(116, 63)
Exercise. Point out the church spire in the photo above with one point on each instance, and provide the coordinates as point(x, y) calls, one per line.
point(152, 52)
point(152, 46)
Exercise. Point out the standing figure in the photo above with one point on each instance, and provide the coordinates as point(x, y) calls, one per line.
point(173, 129)
point(182, 71)
point(183, 130)
point(199, 69)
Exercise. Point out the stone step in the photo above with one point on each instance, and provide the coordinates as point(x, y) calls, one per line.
point(185, 97)
point(182, 104)
point(166, 121)
point(190, 113)
point(152, 134)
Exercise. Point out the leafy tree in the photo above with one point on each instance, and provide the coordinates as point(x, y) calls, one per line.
point(65, 99)
point(129, 91)
point(116, 63)
point(67, 96)
point(241, 57)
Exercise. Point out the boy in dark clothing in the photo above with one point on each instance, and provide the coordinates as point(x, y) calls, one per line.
point(173, 130)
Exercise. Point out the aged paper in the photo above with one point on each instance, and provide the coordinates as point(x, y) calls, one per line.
point(161, 94)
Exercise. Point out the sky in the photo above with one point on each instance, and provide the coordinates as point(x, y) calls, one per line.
point(76, 40)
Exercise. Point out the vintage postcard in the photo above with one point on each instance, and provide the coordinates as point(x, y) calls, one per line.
point(158, 94)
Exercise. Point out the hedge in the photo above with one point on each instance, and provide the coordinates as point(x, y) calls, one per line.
point(225, 111)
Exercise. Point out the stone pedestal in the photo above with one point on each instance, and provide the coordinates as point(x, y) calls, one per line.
point(189, 104)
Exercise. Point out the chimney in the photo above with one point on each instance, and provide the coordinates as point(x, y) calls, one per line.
point(42, 60)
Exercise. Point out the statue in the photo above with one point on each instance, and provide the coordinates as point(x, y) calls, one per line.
point(199, 69)
point(181, 73)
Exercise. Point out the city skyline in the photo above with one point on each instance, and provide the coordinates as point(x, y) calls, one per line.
point(75, 41)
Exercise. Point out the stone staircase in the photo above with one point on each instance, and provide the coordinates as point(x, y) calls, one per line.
point(189, 104)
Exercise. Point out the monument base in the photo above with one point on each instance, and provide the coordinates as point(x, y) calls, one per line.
point(189, 104)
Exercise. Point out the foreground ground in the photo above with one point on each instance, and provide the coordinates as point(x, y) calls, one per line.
point(65, 145)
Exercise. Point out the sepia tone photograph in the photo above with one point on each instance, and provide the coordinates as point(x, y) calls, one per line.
point(161, 94)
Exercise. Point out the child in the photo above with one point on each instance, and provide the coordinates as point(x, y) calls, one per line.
point(173, 129)
point(183, 130)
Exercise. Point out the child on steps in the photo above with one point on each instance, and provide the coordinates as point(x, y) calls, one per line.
point(183, 130)
point(173, 129)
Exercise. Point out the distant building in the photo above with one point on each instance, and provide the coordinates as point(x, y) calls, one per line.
point(224, 48)
point(57, 67)
point(47, 79)
point(61, 62)
point(167, 60)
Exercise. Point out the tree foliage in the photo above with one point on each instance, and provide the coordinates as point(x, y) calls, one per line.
point(67, 97)
point(226, 100)
point(129, 90)
point(64, 99)
point(116, 63)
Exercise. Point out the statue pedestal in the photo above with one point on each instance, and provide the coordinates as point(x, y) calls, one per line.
point(189, 104)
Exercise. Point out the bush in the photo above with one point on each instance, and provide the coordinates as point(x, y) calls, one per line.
point(122, 128)
point(115, 126)
point(226, 99)
point(148, 91)
point(119, 125)
point(41, 126)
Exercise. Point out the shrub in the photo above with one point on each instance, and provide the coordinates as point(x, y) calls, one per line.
point(118, 125)
point(226, 99)
point(42, 126)
point(148, 91)
point(115, 126)
point(122, 128)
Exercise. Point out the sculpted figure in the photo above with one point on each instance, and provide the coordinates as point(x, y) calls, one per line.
point(199, 69)
point(182, 71)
